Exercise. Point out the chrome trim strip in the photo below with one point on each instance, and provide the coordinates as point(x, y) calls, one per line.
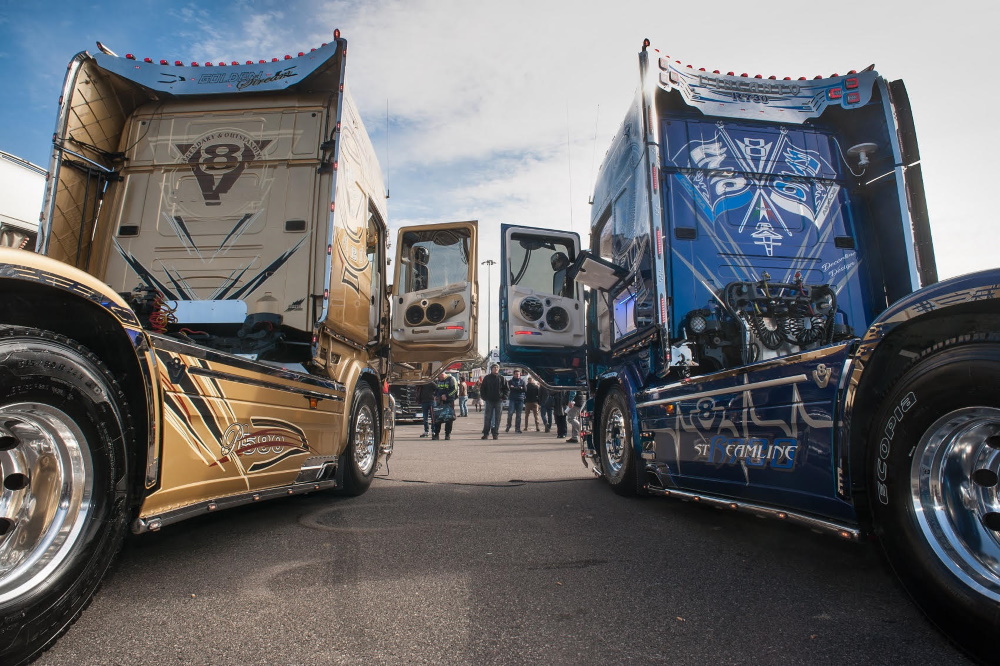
point(154, 523)
point(795, 379)
point(168, 344)
point(816, 524)
point(55, 160)
point(216, 374)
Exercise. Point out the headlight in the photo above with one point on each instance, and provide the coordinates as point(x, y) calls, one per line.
point(697, 324)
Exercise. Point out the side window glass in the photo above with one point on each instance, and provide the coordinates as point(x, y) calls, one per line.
point(625, 241)
point(540, 266)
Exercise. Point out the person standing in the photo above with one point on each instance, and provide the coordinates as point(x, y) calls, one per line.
point(474, 397)
point(463, 398)
point(559, 411)
point(515, 405)
point(445, 392)
point(426, 398)
point(492, 391)
point(575, 401)
point(546, 400)
point(532, 396)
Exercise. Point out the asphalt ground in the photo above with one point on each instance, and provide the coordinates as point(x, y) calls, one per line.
point(495, 552)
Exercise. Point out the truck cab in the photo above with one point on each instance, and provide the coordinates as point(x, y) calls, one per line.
point(757, 309)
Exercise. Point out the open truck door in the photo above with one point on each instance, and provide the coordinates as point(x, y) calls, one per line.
point(542, 313)
point(434, 298)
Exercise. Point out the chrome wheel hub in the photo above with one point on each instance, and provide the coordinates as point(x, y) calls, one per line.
point(46, 494)
point(365, 438)
point(954, 490)
point(614, 440)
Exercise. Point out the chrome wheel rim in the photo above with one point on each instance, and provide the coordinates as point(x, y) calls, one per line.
point(364, 439)
point(954, 490)
point(614, 440)
point(46, 496)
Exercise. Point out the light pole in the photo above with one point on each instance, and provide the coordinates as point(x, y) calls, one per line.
point(489, 263)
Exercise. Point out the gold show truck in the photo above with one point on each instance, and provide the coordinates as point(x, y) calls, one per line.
point(206, 321)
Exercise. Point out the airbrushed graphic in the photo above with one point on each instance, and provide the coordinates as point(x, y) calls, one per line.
point(202, 414)
point(219, 160)
point(760, 181)
point(760, 195)
point(271, 438)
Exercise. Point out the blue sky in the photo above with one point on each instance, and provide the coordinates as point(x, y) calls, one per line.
point(501, 112)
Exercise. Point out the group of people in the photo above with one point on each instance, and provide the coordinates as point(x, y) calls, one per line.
point(525, 396)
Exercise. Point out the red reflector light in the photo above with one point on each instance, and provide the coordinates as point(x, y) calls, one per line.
point(455, 328)
point(234, 63)
point(222, 64)
point(835, 93)
point(288, 57)
point(853, 98)
point(274, 60)
point(194, 64)
point(178, 63)
point(249, 62)
point(851, 83)
point(261, 62)
point(149, 60)
point(164, 62)
point(130, 56)
point(208, 64)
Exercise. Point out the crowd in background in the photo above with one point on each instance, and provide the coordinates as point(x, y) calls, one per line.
point(527, 401)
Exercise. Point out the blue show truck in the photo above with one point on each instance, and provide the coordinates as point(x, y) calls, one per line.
point(759, 326)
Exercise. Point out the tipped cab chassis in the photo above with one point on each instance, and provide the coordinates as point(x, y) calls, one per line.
point(758, 322)
point(207, 321)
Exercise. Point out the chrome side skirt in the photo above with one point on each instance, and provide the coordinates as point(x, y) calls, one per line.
point(154, 523)
point(761, 511)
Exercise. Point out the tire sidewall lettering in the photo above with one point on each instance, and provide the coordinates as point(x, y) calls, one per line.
point(889, 432)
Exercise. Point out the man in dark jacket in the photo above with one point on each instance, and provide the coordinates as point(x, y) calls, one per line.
point(517, 388)
point(493, 391)
point(445, 394)
point(559, 404)
point(426, 397)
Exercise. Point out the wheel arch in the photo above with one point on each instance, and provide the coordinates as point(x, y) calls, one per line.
point(882, 361)
point(123, 348)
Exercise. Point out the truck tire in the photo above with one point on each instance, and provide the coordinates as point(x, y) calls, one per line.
point(614, 439)
point(64, 457)
point(934, 461)
point(361, 455)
